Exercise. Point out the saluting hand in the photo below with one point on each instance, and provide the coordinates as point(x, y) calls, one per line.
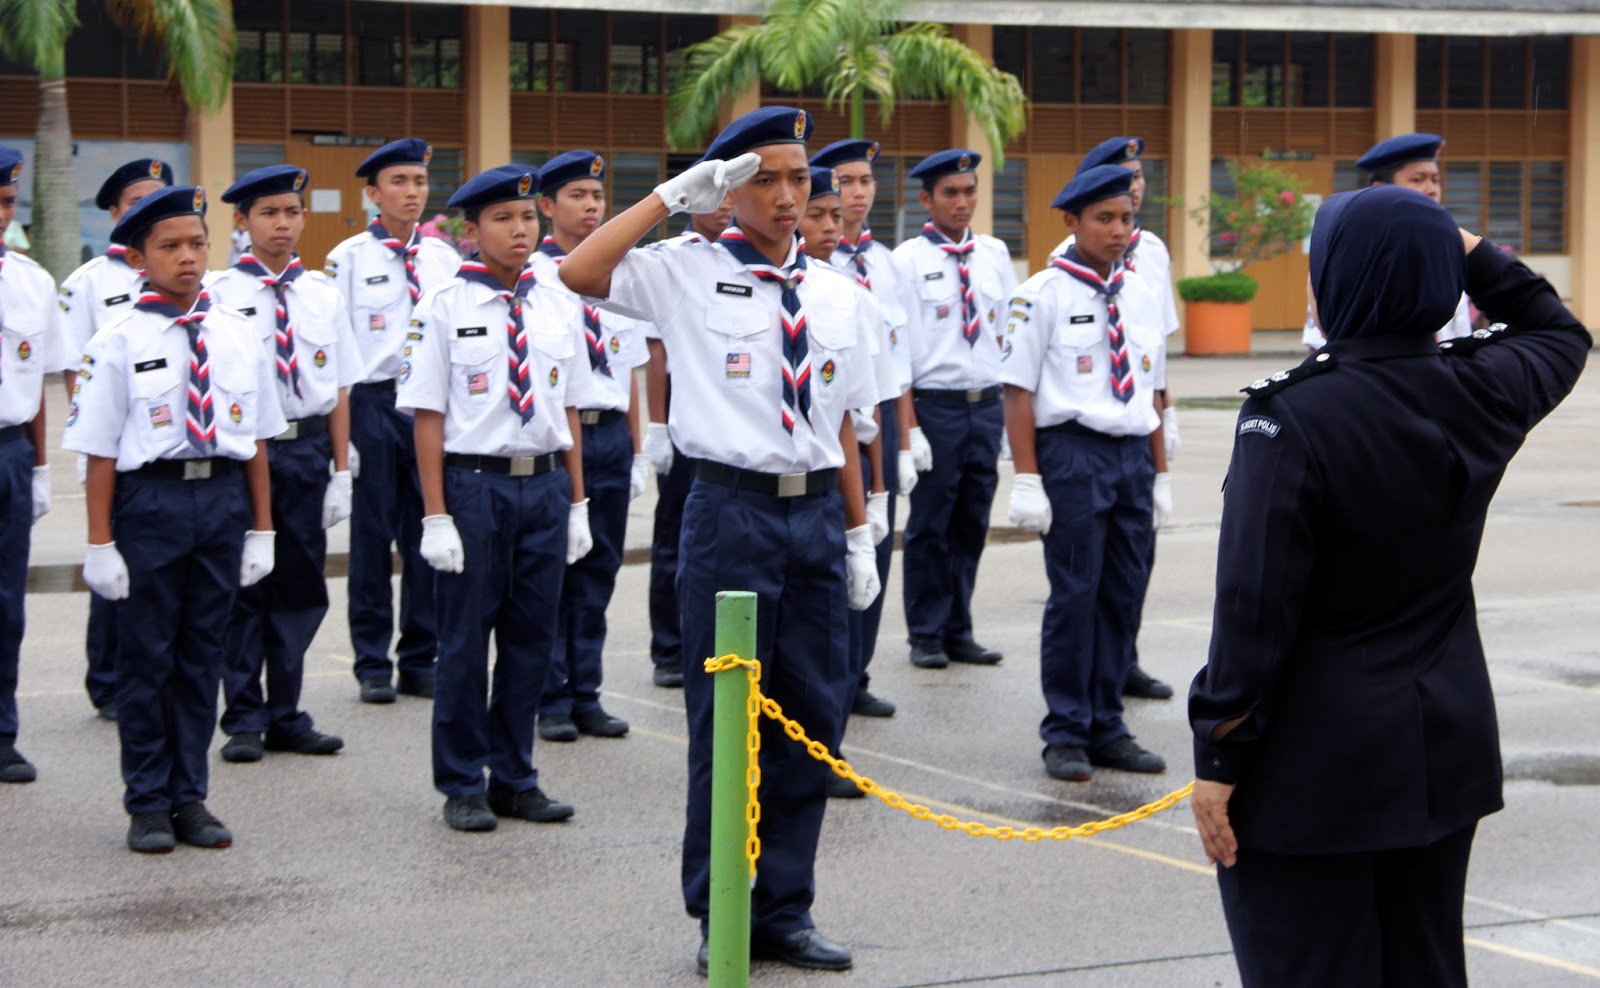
point(1210, 804)
point(701, 188)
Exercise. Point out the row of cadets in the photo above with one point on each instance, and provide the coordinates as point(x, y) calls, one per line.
point(674, 474)
point(963, 281)
point(173, 405)
point(492, 383)
point(303, 330)
point(820, 229)
point(1083, 365)
point(1154, 265)
point(1410, 161)
point(872, 266)
point(32, 345)
point(381, 273)
point(572, 197)
point(98, 291)
point(775, 362)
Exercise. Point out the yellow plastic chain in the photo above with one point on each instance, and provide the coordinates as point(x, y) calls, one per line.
point(762, 704)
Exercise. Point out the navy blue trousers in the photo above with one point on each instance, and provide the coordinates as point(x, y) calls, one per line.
point(666, 637)
point(948, 521)
point(1096, 556)
point(100, 648)
point(514, 534)
point(387, 510)
point(864, 624)
point(575, 664)
point(182, 540)
point(790, 552)
point(16, 534)
point(274, 621)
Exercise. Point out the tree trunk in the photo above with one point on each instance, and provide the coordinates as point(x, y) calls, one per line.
point(55, 194)
point(858, 114)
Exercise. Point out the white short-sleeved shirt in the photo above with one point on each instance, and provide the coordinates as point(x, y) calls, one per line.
point(1153, 262)
point(941, 357)
point(874, 334)
point(622, 338)
point(32, 338)
point(373, 282)
point(133, 390)
point(458, 365)
point(323, 340)
point(720, 325)
point(1057, 346)
point(101, 289)
point(688, 236)
point(896, 297)
point(1459, 325)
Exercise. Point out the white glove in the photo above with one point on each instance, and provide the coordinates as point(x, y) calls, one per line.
point(1169, 432)
point(336, 500)
point(702, 187)
point(1163, 500)
point(579, 540)
point(639, 474)
point(878, 516)
point(41, 492)
point(658, 447)
point(921, 452)
point(861, 566)
point(257, 560)
point(83, 470)
point(441, 544)
point(354, 459)
point(105, 572)
point(908, 472)
point(1030, 508)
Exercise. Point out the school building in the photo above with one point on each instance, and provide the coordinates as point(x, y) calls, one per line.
point(1513, 86)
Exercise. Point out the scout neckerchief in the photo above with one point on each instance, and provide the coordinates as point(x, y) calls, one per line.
point(119, 254)
point(1127, 253)
point(796, 350)
point(962, 254)
point(856, 252)
point(519, 382)
point(1107, 288)
point(592, 334)
point(200, 426)
point(405, 253)
point(288, 363)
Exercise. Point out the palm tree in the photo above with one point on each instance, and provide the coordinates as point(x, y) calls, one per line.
point(195, 37)
point(855, 49)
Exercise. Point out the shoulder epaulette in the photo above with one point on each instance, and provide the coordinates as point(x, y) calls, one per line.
point(1282, 379)
point(1479, 338)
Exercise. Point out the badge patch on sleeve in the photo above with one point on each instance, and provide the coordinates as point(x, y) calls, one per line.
point(1260, 424)
point(737, 366)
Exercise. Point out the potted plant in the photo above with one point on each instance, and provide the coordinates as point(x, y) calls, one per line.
point(1266, 215)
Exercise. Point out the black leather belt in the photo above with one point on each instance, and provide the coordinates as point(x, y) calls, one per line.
point(515, 466)
point(1073, 428)
point(774, 484)
point(970, 396)
point(314, 425)
point(599, 416)
point(378, 385)
point(13, 432)
point(216, 466)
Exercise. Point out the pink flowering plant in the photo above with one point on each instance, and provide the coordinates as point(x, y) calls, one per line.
point(1267, 214)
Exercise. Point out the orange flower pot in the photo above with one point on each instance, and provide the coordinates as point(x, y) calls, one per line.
point(1216, 328)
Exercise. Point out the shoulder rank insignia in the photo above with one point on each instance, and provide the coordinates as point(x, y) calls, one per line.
point(1282, 379)
point(1479, 337)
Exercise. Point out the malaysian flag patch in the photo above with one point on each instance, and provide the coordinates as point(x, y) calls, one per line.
point(478, 384)
point(1085, 364)
point(161, 415)
point(738, 366)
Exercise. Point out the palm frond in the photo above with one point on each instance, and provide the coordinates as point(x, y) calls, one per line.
point(929, 62)
point(194, 37)
point(865, 67)
point(805, 36)
point(34, 32)
point(714, 69)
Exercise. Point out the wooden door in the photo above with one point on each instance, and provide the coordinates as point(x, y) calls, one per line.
point(1281, 303)
point(1047, 173)
point(336, 203)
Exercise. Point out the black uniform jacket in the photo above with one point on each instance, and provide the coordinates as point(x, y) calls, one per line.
point(1344, 626)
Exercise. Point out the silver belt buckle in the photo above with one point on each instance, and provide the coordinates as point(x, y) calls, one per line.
point(591, 417)
point(293, 432)
point(974, 395)
point(522, 466)
point(791, 484)
point(196, 469)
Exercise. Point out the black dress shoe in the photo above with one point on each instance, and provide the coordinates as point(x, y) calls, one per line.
point(530, 804)
point(193, 824)
point(308, 742)
point(470, 813)
point(416, 684)
point(667, 677)
point(558, 727)
point(929, 656)
point(151, 833)
point(13, 767)
point(802, 948)
point(1144, 686)
point(867, 705)
point(1067, 763)
point(376, 691)
point(243, 747)
point(840, 787)
point(971, 653)
point(107, 711)
point(597, 723)
point(1124, 754)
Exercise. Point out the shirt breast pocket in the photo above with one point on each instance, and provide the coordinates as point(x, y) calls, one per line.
point(738, 330)
point(472, 361)
point(375, 300)
point(236, 381)
point(316, 350)
point(22, 340)
point(1086, 361)
point(158, 407)
point(940, 294)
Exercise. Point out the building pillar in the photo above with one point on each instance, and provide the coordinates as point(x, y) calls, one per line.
point(1190, 162)
point(211, 166)
point(965, 132)
point(748, 99)
point(1394, 85)
point(1583, 229)
point(486, 60)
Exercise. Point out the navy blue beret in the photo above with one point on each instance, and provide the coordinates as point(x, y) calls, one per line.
point(10, 166)
point(406, 151)
point(269, 181)
point(843, 152)
point(1400, 150)
point(1093, 185)
point(955, 161)
point(1113, 151)
point(503, 184)
point(570, 167)
point(823, 182)
point(140, 170)
point(759, 128)
point(175, 200)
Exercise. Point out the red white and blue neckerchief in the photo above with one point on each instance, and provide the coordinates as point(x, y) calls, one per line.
point(1127, 253)
point(593, 335)
point(288, 363)
point(406, 253)
point(692, 236)
point(856, 252)
point(519, 381)
point(119, 254)
point(962, 253)
point(200, 426)
point(796, 348)
point(1107, 288)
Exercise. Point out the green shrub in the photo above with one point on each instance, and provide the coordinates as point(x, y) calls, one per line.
point(1230, 286)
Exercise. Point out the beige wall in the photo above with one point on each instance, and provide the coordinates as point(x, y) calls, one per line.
point(965, 132)
point(1191, 150)
point(211, 166)
point(486, 61)
point(1394, 85)
point(1584, 180)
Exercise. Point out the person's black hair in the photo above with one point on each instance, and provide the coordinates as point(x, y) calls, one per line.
point(1384, 175)
point(143, 236)
point(248, 204)
point(471, 214)
point(928, 185)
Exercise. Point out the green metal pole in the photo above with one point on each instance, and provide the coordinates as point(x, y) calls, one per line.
point(730, 791)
